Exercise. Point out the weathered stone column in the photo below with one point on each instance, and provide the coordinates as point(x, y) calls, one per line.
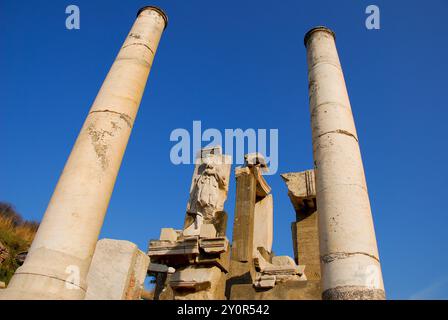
point(59, 258)
point(349, 255)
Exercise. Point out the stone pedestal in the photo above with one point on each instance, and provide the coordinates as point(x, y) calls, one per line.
point(349, 256)
point(60, 255)
point(117, 272)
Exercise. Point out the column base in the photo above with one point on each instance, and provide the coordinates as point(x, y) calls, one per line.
point(353, 293)
point(39, 287)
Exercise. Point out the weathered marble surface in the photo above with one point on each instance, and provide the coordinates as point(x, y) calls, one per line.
point(117, 272)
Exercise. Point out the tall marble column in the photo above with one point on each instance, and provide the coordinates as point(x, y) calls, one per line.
point(61, 253)
point(349, 256)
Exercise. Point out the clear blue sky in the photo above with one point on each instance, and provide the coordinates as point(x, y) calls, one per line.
point(238, 64)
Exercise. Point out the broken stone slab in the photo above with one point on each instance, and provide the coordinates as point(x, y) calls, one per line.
point(180, 247)
point(214, 245)
point(278, 270)
point(283, 261)
point(268, 281)
point(162, 268)
point(290, 277)
point(301, 190)
point(168, 234)
point(284, 265)
point(265, 281)
point(117, 272)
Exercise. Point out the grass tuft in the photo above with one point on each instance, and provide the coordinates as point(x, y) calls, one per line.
point(16, 235)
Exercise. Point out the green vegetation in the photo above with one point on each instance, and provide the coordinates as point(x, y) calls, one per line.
point(16, 235)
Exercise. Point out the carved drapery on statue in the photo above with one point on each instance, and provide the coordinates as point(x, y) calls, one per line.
point(208, 190)
point(192, 263)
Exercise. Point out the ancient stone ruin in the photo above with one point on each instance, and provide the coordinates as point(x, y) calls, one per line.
point(192, 263)
point(335, 255)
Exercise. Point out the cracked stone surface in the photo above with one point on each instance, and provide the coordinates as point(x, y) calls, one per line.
point(69, 230)
point(347, 241)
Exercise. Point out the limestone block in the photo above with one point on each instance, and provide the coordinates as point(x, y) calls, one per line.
point(265, 281)
point(283, 261)
point(168, 234)
point(288, 290)
point(199, 283)
point(243, 226)
point(214, 245)
point(306, 245)
point(193, 277)
point(158, 267)
point(279, 278)
point(305, 234)
point(301, 191)
point(2, 285)
point(181, 247)
point(219, 259)
point(117, 272)
point(208, 230)
point(281, 265)
point(263, 224)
